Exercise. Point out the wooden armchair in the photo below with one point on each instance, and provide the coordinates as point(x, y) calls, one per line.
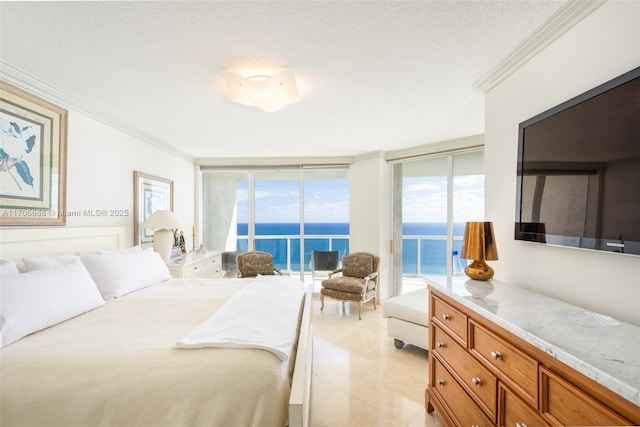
point(358, 280)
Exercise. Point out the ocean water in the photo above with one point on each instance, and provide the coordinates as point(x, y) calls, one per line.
point(283, 241)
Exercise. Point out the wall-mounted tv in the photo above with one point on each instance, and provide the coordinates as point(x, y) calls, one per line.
point(579, 170)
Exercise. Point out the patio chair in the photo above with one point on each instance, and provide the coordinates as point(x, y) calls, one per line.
point(323, 263)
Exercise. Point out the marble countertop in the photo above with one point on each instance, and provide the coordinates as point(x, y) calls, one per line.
point(598, 346)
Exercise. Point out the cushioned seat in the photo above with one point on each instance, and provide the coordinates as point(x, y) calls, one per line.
point(252, 264)
point(357, 283)
point(408, 316)
point(352, 285)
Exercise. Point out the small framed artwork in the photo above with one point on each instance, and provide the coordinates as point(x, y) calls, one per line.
point(150, 193)
point(33, 159)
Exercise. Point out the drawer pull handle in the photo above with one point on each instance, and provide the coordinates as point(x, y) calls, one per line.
point(496, 355)
point(476, 382)
point(441, 345)
point(521, 425)
point(441, 382)
point(446, 317)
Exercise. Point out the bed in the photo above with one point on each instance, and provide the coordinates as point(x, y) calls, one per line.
point(132, 360)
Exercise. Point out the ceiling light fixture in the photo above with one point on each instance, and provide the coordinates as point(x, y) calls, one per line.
point(268, 93)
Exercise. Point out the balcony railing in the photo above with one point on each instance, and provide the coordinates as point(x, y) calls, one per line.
point(426, 254)
point(422, 254)
point(286, 248)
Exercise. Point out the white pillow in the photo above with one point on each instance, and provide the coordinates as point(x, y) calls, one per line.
point(38, 299)
point(119, 251)
point(118, 274)
point(36, 263)
point(8, 268)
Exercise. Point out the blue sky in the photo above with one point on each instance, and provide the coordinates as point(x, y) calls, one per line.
point(279, 201)
point(424, 200)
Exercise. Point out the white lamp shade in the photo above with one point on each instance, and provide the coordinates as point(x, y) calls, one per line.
point(162, 219)
point(269, 93)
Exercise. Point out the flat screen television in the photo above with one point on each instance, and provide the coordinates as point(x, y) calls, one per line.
point(578, 181)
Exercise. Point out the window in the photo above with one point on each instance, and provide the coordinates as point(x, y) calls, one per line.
point(287, 212)
point(326, 213)
point(277, 216)
point(433, 199)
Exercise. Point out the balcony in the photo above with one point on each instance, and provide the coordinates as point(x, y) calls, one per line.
point(422, 254)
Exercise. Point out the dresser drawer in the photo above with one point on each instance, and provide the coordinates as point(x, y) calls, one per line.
point(479, 380)
point(467, 413)
point(451, 319)
point(200, 267)
point(513, 412)
point(443, 343)
point(521, 369)
point(565, 404)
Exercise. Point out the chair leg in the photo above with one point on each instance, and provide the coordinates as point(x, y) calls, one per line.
point(359, 310)
point(321, 302)
point(374, 303)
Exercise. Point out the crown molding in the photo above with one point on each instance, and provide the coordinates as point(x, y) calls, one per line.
point(565, 18)
point(457, 145)
point(258, 162)
point(32, 84)
point(373, 155)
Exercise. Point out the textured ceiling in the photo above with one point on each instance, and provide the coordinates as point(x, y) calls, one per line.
point(373, 75)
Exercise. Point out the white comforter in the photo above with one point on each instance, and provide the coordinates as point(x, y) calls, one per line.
point(262, 315)
point(118, 366)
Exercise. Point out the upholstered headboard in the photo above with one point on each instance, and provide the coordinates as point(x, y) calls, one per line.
point(16, 243)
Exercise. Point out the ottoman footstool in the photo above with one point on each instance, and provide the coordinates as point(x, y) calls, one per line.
point(408, 316)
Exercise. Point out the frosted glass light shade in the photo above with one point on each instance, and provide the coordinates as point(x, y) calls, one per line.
point(269, 93)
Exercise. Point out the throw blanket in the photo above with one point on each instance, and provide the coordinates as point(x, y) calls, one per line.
point(263, 315)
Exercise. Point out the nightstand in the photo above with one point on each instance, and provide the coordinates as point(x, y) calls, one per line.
point(205, 265)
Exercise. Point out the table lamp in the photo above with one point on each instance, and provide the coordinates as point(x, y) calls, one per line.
point(163, 221)
point(479, 245)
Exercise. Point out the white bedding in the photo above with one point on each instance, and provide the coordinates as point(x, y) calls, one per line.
point(262, 315)
point(118, 366)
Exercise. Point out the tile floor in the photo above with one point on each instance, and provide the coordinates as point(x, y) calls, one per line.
point(359, 378)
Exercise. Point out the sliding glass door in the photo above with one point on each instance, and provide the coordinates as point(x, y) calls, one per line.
point(326, 213)
point(287, 212)
point(277, 216)
point(433, 198)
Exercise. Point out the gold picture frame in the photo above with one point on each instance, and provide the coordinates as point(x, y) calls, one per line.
point(150, 193)
point(33, 159)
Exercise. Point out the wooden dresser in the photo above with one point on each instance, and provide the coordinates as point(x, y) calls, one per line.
point(502, 355)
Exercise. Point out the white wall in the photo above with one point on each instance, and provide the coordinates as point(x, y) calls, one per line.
point(369, 212)
point(601, 47)
point(100, 165)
